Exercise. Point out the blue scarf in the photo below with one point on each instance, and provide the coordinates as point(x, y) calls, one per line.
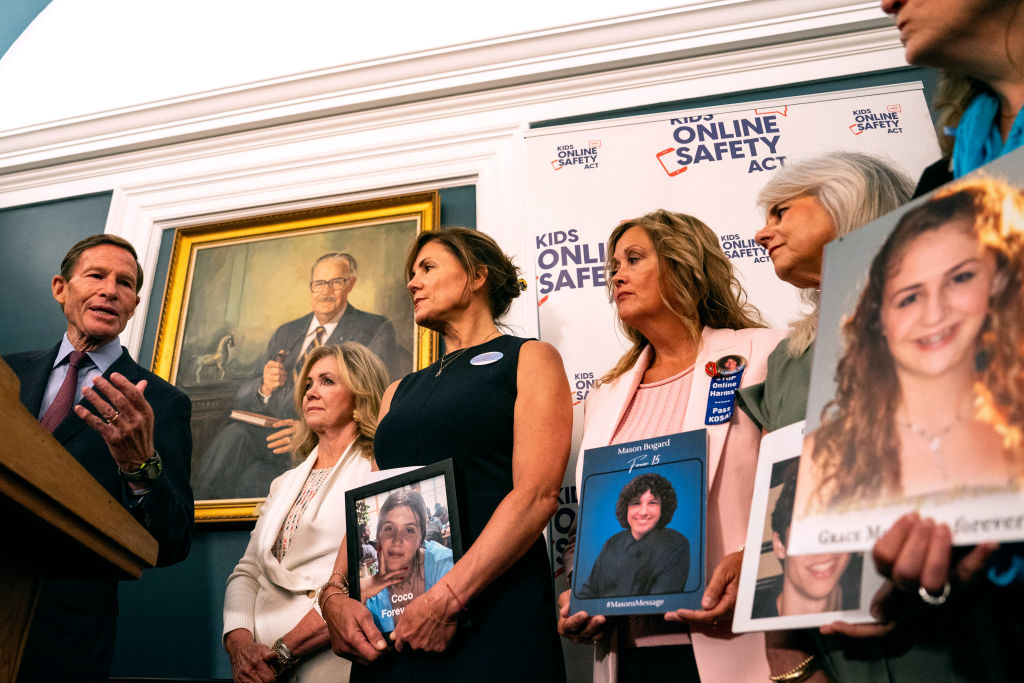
point(978, 140)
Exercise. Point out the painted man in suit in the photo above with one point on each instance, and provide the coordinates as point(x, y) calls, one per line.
point(243, 458)
point(128, 428)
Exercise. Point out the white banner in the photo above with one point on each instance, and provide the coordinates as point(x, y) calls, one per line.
point(585, 179)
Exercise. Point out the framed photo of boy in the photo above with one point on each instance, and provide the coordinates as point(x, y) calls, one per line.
point(243, 298)
point(403, 536)
point(779, 590)
point(640, 548)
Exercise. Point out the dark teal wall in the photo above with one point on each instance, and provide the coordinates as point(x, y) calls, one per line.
point(33, 239)
point(458, 206)
point(170, 622)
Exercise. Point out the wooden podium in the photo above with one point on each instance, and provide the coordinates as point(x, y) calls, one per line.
point(58, 523)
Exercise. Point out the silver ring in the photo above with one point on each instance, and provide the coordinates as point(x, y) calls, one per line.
point(934, 600)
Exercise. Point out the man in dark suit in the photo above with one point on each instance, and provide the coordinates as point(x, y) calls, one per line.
point(130, 431)
point(244, 458)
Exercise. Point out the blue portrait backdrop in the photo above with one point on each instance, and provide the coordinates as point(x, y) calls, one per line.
point(681, 459)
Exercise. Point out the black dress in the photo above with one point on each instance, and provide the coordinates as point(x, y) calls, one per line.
point(467, 414)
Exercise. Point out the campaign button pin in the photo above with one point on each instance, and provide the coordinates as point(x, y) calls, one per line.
point(486, 358)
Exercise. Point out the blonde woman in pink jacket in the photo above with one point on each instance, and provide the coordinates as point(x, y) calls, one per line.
point(682, 308)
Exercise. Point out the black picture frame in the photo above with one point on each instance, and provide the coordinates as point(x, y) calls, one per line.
point(435, 483)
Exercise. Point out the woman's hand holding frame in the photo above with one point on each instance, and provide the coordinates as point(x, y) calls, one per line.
point(353, 633)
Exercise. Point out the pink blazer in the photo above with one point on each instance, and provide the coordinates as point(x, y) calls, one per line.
point(732, 462)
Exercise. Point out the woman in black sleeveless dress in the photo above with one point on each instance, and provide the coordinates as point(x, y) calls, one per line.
point(498, 406)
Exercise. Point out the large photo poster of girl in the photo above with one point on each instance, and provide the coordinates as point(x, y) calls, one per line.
point(927, 412)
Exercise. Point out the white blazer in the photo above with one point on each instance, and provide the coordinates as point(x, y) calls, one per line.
point(269, 597)
point(732, 463)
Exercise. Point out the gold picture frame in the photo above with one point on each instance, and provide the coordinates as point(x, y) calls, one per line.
point(231, 284)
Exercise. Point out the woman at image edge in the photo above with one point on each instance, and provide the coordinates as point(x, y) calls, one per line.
point(499, 406)
point(679, 303)
point(296, 538)
point(979, 44)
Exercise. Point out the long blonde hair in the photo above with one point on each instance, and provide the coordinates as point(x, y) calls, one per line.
point(362, 373)
point(696, 280)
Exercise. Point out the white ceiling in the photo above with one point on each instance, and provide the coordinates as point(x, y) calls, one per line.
point(82, 58)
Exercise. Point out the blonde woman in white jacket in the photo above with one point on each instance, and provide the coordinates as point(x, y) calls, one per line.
point(272, 628)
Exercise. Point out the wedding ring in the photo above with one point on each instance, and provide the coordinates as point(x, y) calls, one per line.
point(117, 416)
point(934, 600)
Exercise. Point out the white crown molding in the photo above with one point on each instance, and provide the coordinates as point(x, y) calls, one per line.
point(692, 32)
point(444, 120)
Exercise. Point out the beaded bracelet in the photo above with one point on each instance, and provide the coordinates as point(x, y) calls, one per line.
point(325, 598)
point(342, 589)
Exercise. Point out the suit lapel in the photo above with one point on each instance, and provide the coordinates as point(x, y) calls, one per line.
point(600, 426)
point(611, 409)
point(285, 497)
point(294, 359)
point(35, 378)
point(344, 325)
point(349, 326)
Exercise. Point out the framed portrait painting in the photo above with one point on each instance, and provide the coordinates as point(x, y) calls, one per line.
point(246, 299)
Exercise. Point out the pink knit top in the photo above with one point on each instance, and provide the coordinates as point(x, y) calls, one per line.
point(657, 409)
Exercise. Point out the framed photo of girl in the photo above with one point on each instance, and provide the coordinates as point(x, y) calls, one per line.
point(927, 409)
point(403, 535)
point(243, 303)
